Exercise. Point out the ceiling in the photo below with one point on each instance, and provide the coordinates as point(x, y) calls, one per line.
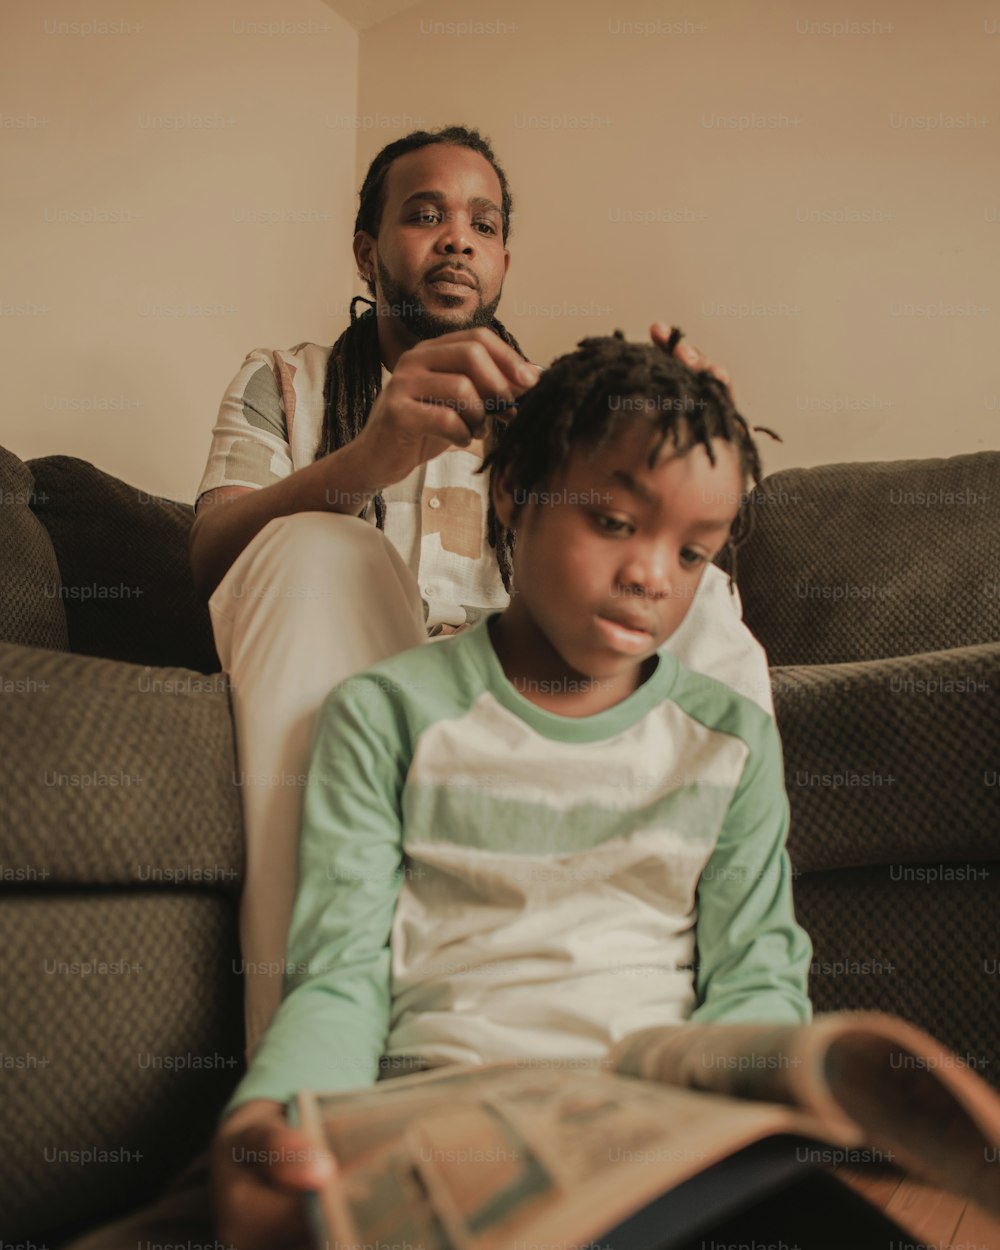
point(364, 13)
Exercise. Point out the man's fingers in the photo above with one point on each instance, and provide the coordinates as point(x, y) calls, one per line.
point(660, 333)
point(439, 420)
point(454, 391)
point(482, 355)
point(683, 350)
point(689, 355)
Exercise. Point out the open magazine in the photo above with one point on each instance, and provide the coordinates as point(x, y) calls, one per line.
point(677, 1128)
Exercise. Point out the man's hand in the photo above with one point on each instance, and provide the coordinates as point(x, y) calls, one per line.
point(261, 1171)
point(436, 399)
point(689, 355)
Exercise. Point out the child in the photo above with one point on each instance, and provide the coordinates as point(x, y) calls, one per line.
point(542, 833)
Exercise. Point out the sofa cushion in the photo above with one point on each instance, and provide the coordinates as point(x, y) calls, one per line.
point(117, 775)
point(892, 761)
point(122, 1033)
point(127, 586)
point(31, 610)
point(861, 561)
point(919, 948)
point(121, 861)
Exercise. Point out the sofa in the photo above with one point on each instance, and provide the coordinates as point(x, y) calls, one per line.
point(875, 589)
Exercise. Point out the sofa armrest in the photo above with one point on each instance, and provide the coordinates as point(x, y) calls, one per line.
point(893, 761)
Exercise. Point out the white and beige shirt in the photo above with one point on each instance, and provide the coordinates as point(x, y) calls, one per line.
point(269, 425)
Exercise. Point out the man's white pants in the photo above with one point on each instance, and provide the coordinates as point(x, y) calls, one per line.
point(313, 599)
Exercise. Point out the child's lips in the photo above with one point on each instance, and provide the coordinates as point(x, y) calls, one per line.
point(631, 619)
point(623, 637)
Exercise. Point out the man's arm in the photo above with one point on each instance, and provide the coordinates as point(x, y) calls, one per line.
point(434, 400)
point(229, 517)
point(753, 958)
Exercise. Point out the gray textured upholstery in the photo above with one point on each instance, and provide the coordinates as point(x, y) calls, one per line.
point(126, 1011)
point(122, 864)
point(127, 586)
point(889, 760)
point(866, 561)
point(117, 772)
point(896, 876)
point(31, 609)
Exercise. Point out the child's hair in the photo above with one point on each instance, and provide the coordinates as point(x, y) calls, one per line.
point(579, 399)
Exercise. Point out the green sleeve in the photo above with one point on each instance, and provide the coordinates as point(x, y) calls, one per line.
point(753, 958)
point(331, 1028)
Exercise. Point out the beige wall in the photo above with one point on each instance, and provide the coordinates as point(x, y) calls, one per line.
point(214, 143)
point(638, 197)
point(871, 338)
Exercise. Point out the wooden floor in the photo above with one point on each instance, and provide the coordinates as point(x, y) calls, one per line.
point(935, 1218)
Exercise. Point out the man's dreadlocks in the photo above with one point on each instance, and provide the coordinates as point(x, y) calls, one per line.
point(579, 400)
point(354, 370)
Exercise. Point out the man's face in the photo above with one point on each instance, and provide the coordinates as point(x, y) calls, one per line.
point(607, 561)
point(439, 259)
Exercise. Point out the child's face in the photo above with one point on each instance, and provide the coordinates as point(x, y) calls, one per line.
point(606, 573)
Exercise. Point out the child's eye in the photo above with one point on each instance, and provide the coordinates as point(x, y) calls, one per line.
point(610, 525)
point(692, 558)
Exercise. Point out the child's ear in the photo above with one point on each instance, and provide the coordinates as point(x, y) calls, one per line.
point(502, 494)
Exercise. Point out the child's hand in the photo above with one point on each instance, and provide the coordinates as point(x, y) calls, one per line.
point(261, 1171)
point(688, 355)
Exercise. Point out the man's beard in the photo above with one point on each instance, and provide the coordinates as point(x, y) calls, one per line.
point(422, 324)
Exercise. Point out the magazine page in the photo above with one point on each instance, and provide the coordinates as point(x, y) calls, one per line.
point(760, 1061)
point(479, 1158)
point(909, 1095)
point(909, 1092)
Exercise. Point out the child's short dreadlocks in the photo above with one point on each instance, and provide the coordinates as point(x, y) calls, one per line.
point(579, 399)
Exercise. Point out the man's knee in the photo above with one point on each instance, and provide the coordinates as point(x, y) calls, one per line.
point(318, 546)
point(302, 530)
point(309, 565)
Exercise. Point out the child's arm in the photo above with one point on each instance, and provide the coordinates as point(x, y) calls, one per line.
point(753, 958)
point(332, 1025)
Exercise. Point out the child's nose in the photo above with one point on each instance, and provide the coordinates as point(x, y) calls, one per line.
point(649, 573)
